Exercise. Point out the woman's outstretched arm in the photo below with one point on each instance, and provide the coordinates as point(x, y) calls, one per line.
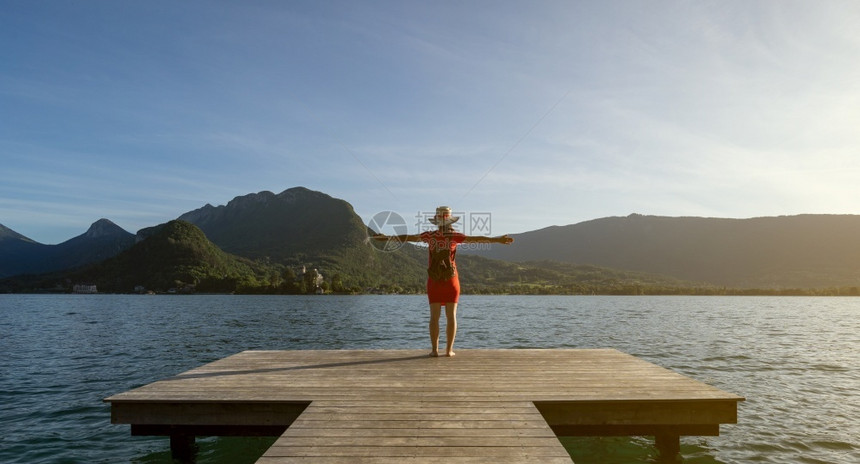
point(504, 239)
point(399, 238)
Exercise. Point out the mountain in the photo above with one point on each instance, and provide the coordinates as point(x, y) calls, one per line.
point(173, 255)
point(805, 251)
point(7, 234)
point(304, 227)
point(18, 254)
point(102, 240)
point(21, 255)
point(280, 227)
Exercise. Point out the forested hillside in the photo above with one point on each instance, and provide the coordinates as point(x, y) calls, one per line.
point(807, 251)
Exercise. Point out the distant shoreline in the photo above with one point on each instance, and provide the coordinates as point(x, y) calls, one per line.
point(814, 292)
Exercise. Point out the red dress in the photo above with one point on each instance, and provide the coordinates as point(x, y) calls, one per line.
point(444, 291)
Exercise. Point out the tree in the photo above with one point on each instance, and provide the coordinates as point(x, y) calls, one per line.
point(337, 283)
point(312, 280)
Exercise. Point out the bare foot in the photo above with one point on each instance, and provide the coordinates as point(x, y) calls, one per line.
point(434, 354)
point(450, 354)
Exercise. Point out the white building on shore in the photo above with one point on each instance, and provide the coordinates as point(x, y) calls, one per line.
point(84, 288)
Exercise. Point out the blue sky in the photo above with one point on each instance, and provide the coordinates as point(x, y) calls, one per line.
point(540, 113)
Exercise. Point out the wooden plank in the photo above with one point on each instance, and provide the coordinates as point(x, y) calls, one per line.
point(208, 413)
point(404, 435)
point(422, 432)
point(409, 460)
point(445, 441)
point(650, 412)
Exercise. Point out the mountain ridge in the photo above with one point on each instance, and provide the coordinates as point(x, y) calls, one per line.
point(22, 255)
point(300, 227)
point(9, 234)
point(175, 255)
point(809, 250)
point(297, 227)
point(314, 223)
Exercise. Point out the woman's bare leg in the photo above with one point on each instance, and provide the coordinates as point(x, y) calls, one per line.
point(435, 314)
point(450, 327)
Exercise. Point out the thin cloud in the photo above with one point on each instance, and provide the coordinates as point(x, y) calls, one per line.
point(678, 108)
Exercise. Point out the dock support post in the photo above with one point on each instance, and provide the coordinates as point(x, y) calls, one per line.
point(183, 448)
point(669, 447)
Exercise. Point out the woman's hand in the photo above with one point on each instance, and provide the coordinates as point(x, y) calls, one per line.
point(505, 240)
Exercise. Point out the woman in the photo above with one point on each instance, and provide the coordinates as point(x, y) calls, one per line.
point(443, 282)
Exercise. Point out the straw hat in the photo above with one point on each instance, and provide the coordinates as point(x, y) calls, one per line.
point(443, 216)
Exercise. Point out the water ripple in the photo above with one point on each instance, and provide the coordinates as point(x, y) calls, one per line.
point(796, 360)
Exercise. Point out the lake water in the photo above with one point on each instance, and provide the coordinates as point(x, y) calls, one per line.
point(796, 360)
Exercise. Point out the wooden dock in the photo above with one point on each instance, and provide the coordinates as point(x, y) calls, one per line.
point(395, 406)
